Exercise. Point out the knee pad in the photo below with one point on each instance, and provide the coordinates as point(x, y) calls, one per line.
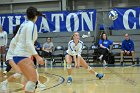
point(17, 75)
point(89, 68)
point(30, 86)
point(68, 66)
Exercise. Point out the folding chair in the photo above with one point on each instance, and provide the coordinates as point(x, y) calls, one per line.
point(58, 54)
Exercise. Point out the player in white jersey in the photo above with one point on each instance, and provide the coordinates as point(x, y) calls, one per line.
point(74, 52)
point(3, 44)
point(9, 59)
point(10, 54)
point(24, 41)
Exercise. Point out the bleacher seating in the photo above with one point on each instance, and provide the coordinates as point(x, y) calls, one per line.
point(62, 39)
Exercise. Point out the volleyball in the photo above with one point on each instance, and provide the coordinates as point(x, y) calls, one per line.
point(113, 15)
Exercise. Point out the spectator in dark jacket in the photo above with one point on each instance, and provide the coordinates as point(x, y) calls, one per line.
point(127, 48)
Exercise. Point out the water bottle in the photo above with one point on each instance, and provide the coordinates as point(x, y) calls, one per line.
point(89, 34)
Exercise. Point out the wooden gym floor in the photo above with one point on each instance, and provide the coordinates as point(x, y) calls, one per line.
point(116, 80)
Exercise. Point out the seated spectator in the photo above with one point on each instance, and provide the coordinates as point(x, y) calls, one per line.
point(47, 48)
point(104, 44)
point(127, 48)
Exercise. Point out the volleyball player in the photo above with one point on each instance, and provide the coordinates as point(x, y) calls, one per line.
point(74, 52)
point(3, 44)
point(9, 54)
point(24, 49)
point(11, 64)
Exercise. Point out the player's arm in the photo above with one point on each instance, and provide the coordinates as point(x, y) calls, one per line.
point(79, 54)
point(70, 45)
point(12, 43)
point(30, 43)
point(80, 49)
point(14, 40)
point(29, 39)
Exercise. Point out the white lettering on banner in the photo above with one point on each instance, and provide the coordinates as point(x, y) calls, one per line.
point(11, 24)
point(17, 20)
point(68, 22)
point(139, 19)
point(57, 22)
point(89, 21)
point(56, 18)
point(2, 20)
point(125, 19)
point(44, 25)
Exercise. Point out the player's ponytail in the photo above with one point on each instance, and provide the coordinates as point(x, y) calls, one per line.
point(72, 37)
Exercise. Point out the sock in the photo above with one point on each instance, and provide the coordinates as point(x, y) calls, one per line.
point(69, 76)
point(104, 62)
point(100, 56)
point(96, 73)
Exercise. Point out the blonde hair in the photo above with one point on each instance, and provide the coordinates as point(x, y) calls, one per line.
point(73, 35)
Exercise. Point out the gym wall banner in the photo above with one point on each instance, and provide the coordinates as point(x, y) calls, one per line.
point(63, 21)
point(128, 18)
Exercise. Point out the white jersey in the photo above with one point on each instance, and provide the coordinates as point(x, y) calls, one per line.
point(10, 53)
point(75, 49)
point(24, 40)
point(3, 38)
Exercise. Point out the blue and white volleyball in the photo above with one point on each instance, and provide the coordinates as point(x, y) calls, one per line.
point(113, 15)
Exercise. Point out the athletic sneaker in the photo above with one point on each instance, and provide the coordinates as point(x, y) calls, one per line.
point(41, 86)
point(69, 80)
point(4, 85)
point(100, 76)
